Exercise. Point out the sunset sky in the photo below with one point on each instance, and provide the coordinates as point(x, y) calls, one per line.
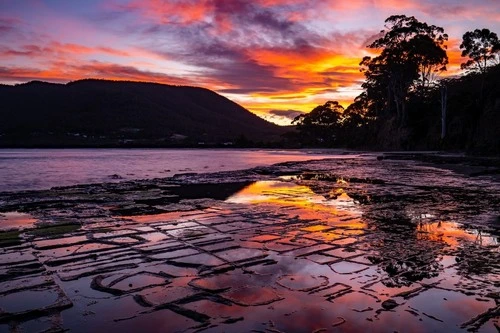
point(275, 57)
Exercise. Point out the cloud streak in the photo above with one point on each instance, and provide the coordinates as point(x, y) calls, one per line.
point(275, 57)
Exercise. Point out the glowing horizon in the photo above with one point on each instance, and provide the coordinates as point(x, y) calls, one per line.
point(277, 58)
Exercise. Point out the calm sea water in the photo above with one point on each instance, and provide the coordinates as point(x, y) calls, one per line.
point(33, 169)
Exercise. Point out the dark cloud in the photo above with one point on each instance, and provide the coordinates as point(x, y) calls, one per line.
point(444, 10)
point(290, 114)
point(98, 69)
point(9, 23)
point(269, 20)
point(10, 28)
point(64, 71)
point(5, 28)
point(249, 75)
point(219, 45)
point(243, 12)
point(233, 7)
point(231, 65)
point(24, 51)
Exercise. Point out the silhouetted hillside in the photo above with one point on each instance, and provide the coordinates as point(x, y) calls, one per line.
point(107, 113)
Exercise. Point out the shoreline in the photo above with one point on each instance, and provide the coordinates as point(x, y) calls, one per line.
point(471, 166)
point(483, 170)
point(236, 250)
point(42, 169)
point(466, 153)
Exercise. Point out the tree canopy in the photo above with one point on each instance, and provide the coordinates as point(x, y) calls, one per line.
point(321, 124)
point(482, 47)
point(411, 52)
point(404, 103)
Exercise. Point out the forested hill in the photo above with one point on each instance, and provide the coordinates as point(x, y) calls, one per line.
point(472, 117)
point(473, 112)
point(116, 113)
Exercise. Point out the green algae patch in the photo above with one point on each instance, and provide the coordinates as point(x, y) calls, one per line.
point(54, 230)
point(9, 238)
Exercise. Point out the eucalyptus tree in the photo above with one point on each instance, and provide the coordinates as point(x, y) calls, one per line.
point(321, 124)
point(411, 52)
point(482, 47)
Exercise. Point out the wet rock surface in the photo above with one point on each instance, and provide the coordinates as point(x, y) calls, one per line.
point(352, 244)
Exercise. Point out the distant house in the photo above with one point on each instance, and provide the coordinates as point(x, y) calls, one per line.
point(178, 137)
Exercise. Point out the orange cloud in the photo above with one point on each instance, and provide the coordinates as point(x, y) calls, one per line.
point(454, 57)
point(81, 49)
point(64, 72)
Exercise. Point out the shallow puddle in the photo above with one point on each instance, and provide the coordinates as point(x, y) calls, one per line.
point(25, 301)
point(454, 234)
point(302, 201)
point(16, 220)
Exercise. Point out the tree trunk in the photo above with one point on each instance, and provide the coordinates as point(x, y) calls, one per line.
point(444, 101)
point(404, 120)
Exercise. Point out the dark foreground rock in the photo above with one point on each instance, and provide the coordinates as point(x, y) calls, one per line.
point(354, 244)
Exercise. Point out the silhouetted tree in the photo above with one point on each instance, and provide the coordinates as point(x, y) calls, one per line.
point(321, 124)
point(412, 52)
point(360, 108)
point(243, 142)
point(403, 106)
point(482, 47)
point(356, 120)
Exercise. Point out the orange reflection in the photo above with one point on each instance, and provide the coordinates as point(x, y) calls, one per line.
point(317, 227)
point(452, 233)
point(16, 220)
point(298, 200)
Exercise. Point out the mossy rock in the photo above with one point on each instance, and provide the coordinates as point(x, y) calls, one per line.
point(54, 230)
point(10, 238)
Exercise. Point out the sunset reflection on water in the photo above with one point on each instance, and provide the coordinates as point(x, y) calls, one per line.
point(368, 261)
point(454, 234)
point(338, 209)
point(299, 200)
point(282, 255)
point(16, 220)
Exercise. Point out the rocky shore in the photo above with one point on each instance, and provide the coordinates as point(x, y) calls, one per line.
point(401, 242)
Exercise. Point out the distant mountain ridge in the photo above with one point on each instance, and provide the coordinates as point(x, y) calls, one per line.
point(94, 112)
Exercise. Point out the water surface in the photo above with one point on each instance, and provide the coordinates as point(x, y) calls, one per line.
point(346, 244)
point(35, 169)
